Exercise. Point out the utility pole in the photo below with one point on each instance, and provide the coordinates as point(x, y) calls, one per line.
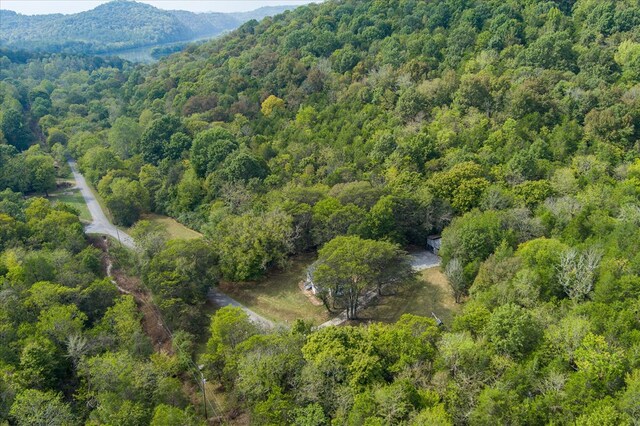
point(118, 234)
point(438, 320)
point(204, 392)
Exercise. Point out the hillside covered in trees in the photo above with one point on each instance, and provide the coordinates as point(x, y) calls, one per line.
point(117, 25)
point(510, 127)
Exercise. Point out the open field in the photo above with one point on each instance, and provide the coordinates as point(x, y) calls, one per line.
point(430, 294)
point(175, 229)
point(278, 296)
point(68, 193)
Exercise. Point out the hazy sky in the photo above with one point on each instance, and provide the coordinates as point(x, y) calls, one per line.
point(37, 7)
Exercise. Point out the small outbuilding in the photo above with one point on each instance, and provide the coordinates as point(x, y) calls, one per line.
point(308, 282)
point(433, 243)
point(310, 285)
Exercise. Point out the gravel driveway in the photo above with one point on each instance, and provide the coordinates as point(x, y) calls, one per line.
point(424, 260)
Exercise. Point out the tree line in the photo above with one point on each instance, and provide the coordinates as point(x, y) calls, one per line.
point(509, 127)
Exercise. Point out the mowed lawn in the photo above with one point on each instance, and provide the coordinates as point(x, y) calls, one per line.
point(71, 195)
point(431, 293)
point(278, 297)
point(175, 229)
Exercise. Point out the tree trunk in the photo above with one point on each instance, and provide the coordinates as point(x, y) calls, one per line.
point(352, 304)
point(325, 302)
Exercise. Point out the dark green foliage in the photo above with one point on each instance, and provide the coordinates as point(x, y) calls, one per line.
point(179, 277)
point(513, 331)
point(350, 267)
point(244, 166)
point(510, 128)
point(210, 148)
point(14, 128)
point(155, 143)
point(472, 237)
point(75, 329)
point(127, 201)
point(246, 250)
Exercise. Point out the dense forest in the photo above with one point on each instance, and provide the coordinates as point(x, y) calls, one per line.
point(117, 25)
point(354, 129)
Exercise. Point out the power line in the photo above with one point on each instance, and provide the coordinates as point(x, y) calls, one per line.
point(196, 371)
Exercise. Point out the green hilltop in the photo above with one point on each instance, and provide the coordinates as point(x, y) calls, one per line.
point(339, 135)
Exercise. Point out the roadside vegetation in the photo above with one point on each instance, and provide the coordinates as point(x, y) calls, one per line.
point(67, 193)
point(351, 130)
point(175, 230)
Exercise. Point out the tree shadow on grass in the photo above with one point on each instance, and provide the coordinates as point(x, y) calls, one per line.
point(422, 297)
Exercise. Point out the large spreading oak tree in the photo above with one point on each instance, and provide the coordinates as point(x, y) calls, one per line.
point(350, 266)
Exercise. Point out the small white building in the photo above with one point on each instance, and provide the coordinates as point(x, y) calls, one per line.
point(308, 282)
point(309, 285)
point(433, 243)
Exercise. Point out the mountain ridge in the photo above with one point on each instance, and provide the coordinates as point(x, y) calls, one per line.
point(117, 25)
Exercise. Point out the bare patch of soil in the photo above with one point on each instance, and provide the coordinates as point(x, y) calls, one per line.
point(151, 320)
point(312, 297)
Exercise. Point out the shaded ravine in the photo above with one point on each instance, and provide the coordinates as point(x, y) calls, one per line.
point(100, 224)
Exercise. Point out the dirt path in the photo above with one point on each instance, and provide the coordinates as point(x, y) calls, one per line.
point(152, 323)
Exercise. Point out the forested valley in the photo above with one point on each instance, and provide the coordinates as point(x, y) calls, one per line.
point(116, 26)
point(353, 130)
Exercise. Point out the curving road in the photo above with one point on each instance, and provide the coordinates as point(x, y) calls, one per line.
point(220, 299)
point(99, 224)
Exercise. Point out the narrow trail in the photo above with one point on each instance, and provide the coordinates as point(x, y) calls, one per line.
point(153, 326)
point(152, 323)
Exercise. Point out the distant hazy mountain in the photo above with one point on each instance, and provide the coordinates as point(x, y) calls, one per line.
point(118, 25)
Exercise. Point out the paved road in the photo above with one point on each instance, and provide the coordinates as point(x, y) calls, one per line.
point(221, 299)
point(99, 222)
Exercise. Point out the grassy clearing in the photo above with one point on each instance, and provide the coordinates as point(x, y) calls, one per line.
point(175, 229)
point(278, 296)
point(67, 193)
point(430, 294)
